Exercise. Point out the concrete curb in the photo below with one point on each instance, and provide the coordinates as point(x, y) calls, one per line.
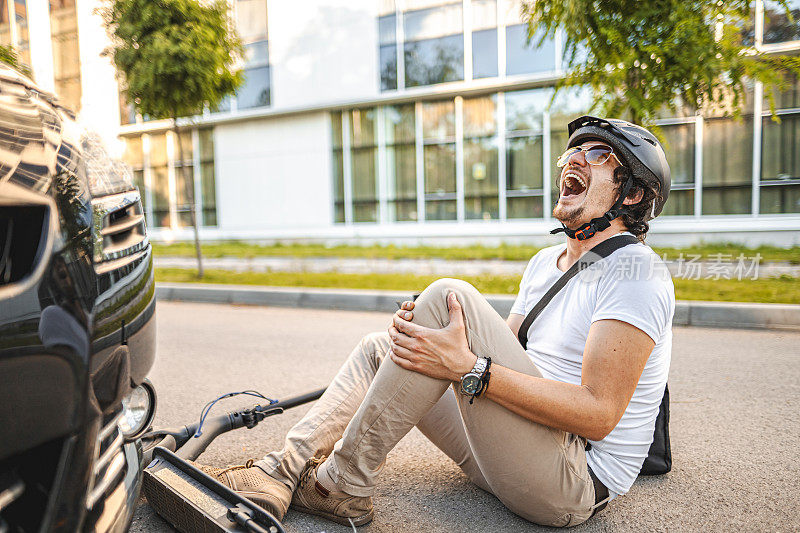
point(687, 313)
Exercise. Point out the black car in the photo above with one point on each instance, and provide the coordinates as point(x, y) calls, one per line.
point(77, 328)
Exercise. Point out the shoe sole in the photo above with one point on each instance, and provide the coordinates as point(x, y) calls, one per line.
point(357, 521)
point(258, 499)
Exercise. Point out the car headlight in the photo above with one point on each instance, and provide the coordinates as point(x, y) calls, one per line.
point(104, 174)
point(138, 410)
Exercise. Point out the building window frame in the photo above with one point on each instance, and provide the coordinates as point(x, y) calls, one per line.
point(173, 167)
point(467, 30)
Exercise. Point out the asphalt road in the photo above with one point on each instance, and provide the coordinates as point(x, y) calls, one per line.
point(734, 423)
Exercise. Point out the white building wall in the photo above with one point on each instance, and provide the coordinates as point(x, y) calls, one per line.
point(323, 51)
point(274, 174)
point(40, 44)
point(99, 90)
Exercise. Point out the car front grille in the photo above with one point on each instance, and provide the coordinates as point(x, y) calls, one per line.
point(109, 463)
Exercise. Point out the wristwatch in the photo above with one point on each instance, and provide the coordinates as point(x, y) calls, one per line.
point(472, 381)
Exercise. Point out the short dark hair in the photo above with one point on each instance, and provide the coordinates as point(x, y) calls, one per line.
point(636, 216)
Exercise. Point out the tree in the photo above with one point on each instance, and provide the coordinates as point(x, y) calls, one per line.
point(641, 58)
point(175, 58)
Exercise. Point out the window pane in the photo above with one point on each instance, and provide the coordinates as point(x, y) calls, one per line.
point(338, 211)
point(525, 58)
point(336, 129)
point(524, 109)
point(438, 120)
point(484, 53)
point(388, 66)
point(727, 200)
point(365, 211)
point(402, 171)
point(679, 148)
point(440, 168)
point(780, 199)
point(433, 22)
point(209, 190)
point(568, 105)
point(161, 217)
point(525, 207)
point(780, 148)
point(206, 147)
point(728, 151)
point(208, 185)
point(338, 181)
point(440, 210)
point(399, 123)
point(777, 27)
point(480, 115)
point(524, 163)
point(158, 150)
point(402, 182)
point(480, 179)
point(254, 92)
point(789, 98)
point(133, 151)
point(727, 166)
point(362, 130)
point(680, 202)
point(183, 193)
point(387, 26)
point(403, 211)
point(256, 53)
point(434, 60)
point(185, 147)
point(363, 167)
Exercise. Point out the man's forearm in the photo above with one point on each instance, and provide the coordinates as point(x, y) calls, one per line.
point(572, 408)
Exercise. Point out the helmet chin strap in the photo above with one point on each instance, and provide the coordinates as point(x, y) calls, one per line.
point(596, 225)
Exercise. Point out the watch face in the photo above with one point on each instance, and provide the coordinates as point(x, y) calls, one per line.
point(470, 383)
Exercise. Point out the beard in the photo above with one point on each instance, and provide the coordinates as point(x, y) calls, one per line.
point(570, 217)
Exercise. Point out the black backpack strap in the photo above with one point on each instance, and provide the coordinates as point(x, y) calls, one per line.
point(601, 251)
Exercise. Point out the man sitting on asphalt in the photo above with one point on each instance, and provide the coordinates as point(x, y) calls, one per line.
point(555, 430)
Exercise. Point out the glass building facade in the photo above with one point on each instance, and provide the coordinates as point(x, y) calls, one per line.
point(168, 182)
point(491, 156)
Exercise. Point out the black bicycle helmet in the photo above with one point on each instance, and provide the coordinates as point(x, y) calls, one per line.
point(637, 149)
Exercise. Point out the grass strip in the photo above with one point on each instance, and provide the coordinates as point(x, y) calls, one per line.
point(778, 290)
point(727, 251)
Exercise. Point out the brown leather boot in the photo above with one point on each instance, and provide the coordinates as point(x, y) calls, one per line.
point(311, 497)
point(254, 484)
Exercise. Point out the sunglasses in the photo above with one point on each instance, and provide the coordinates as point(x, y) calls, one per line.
point(595, 155)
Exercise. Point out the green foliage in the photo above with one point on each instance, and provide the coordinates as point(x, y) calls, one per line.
point(506, 252)
point(10, 57)
point(641, 58)
point(779, 290)
point(175, 56)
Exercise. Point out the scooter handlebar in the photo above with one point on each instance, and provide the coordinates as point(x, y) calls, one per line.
point(214, 427)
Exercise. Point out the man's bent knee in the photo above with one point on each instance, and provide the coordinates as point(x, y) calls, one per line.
point(438, 290)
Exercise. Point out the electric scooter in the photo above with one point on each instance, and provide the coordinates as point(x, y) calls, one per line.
point(190, 500)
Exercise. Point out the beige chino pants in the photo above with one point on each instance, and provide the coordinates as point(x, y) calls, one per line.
point(538, 472)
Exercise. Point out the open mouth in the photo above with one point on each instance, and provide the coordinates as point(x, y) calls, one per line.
point(573, 184)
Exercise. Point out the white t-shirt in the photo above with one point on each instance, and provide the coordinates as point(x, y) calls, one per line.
point(632, 285)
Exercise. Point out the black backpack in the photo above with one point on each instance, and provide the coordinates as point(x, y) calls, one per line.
point(659, 458)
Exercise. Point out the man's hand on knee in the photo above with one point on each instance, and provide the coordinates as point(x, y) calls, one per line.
point(438, 353)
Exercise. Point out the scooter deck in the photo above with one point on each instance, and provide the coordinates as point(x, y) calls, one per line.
point(193, 502)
